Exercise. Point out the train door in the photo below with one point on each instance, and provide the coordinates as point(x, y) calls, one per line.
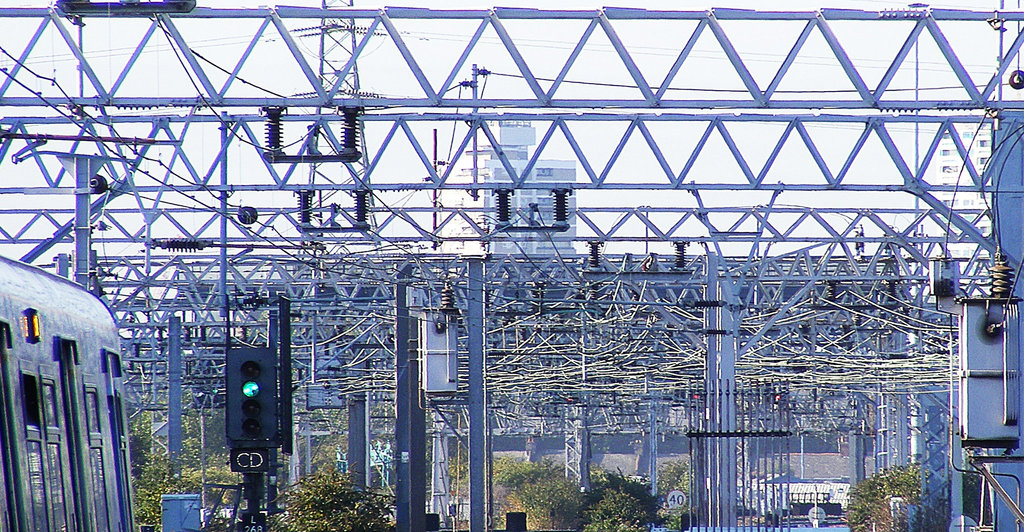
point(98, 459)
point(119, 441)
point(37, 516)
point(10, 506)
point(75, 434)
point(52, 451)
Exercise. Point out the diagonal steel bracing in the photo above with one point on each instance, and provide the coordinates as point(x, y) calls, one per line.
point(814, 165)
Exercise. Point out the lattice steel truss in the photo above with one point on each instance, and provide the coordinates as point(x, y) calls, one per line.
point(806, 162)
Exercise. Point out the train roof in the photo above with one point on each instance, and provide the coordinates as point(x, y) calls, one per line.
point(39, 289)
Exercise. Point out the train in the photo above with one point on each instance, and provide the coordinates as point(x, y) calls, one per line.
point(64, 457)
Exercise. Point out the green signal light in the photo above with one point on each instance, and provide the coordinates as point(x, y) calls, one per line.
point(250, 389)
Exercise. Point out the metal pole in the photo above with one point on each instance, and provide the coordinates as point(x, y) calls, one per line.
point(417, 439)
point(82, 168)
point(440, 479)
point(402, 392)
point(410, 425)
point(477, 396)
point(174, 392)
point(284, 351)
point(357, 437)
point(652, 443)
point(803, 473)
point(1009, 228)
point(476, 146)
point(225, 134)
point(202, 455)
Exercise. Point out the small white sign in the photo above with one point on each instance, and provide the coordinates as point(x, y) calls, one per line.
point(816, 515)
point(675, 499)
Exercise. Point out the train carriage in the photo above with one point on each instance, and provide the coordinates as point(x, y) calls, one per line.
point(63, 433)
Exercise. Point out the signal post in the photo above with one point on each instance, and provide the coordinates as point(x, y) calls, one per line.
point(258, 415)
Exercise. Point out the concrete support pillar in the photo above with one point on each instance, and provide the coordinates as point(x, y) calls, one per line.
point(719, 380)
point(652, 447)
point(577, 446)
point(477, 398)
point(358, 440)
point(410, 434)
point(174, 391)
point(858, 452)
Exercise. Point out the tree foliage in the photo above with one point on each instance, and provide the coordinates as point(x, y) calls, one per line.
point(615, 511)
point(619, 503)
point(674, 475)
point(326, 501)
point(154, 475)
point(155, 479)
point(542, 491)
point(615, 503)
point(870, 508)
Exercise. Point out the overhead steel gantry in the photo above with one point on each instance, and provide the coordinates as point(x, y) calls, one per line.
point(806, 162)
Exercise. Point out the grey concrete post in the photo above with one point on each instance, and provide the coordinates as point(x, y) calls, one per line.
point(174, 391)
point(477, 398)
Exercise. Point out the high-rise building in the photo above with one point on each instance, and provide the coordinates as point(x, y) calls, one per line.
point(532, 206)
point(948, 166)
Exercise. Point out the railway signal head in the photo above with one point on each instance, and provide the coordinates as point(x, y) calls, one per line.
point(251, 409)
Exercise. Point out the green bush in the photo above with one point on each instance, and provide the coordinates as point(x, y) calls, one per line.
point(869, 501)
point(616, 511)
point(542, 491)
point(619, 503)
point(326, 501)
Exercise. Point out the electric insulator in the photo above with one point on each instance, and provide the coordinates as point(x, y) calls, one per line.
point(504, 205)
point(681, 254)
point(181, 244)
point(1002, 278)
point(273, 126)
point(362, 213)
point(305, 206)
point(247, 215)
point(595, 254)
point(538, 296)
point(447, 298)
point(350, 134)
point(831, 289)
point(252, 302)
point(561, 205)
point(1017, 79)
point(98, 184)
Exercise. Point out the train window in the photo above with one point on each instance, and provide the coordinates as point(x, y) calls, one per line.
point(55, 478)
point(50, 404)
point(112, 363)
point(30, 397)
point(40, 522)
point(92, 406)
point(65, 349)
point(30, 325)
point(99, 483)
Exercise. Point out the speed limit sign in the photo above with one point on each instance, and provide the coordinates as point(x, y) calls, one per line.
point(675, 499)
